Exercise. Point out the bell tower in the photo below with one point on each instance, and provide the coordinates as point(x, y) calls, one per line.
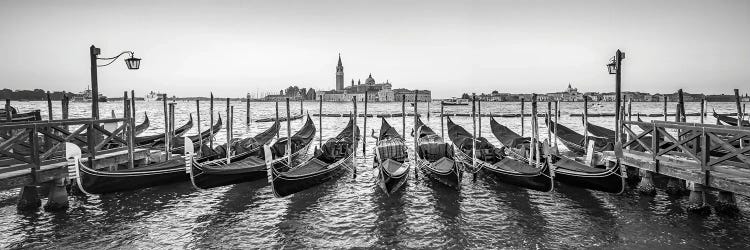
point(340, 75)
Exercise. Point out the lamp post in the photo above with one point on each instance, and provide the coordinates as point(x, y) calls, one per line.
point(615, 68)
point(132, 63)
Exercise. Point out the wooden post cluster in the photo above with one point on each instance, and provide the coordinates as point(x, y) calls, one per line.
point(474, 135)
point(198, 114)
point(166, 125)
point(288, 134)
point(416, 116)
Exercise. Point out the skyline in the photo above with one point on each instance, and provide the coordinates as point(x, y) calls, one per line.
point(508, 46)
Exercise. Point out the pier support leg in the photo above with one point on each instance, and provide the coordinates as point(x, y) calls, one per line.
point(28, 199)
point(725, 203)
point(57, 200)
point(675, 186)
point(697, 200)
point(646, 186)
point(634, 176)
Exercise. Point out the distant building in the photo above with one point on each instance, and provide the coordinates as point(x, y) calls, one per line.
point(569, 95)
point(340, 75)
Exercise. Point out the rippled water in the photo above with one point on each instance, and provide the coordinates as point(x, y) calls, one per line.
point(353, 212)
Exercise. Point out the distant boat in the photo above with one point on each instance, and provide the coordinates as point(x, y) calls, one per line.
point(153, 96)
point(455, 102)
point(86, 96)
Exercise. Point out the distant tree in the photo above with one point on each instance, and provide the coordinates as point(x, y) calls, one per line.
point(494, 92)
point(465, 96)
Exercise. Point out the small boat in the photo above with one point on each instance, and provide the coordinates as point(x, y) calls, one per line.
point(494, 162)
point(178, 143)
point(151, 139)
point(455, 102)
point(730, 121)
point(93, 181)
point(140, 128)
point(35, 115)
point(391, 159)
point(436, 158)
point(250, 164)
point(576, 142)
point(334, 159)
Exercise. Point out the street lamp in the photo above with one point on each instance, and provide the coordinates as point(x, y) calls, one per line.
point(615, 68)
point(132, 63)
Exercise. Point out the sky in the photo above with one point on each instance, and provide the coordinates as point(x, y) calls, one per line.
point(230, 48)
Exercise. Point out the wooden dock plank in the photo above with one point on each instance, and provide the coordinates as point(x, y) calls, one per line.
point(23, 177)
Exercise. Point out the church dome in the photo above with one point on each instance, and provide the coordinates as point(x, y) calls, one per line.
point(370, 81)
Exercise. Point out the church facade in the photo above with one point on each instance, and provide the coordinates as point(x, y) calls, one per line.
point(373, 91)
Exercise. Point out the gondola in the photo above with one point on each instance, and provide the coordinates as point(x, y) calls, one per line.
point(140, 128)
point(151, 139)
point(391, 159)
point(178, 143)
point(566, 170)
point(251, 165)
point(731, 121)
point(334, 159)
point(92, 181)
point(600, 131)
point(435, 157)
point(35, 115)
point(495, 163)
point(281, 119)
point(576, 142)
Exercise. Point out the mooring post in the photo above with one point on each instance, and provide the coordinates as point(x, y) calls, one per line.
point(49, 106)
point(585, 121)
point(442, 127)
point(364, 128)
point(277, 118)
point(522, 119)
point(301, 105)
point(479, 116)
point(126, 134)
point(65, 105)
point(211, 122)
point(665, 107)
point(171, 128)
point(198, 114)
point(428, 109)
point(618, 93)
point(416, 116)
point(229, 133)
point(703, 108)
point(549, 118)
point(354, 137)
point(474, 136)
point(166, 125)
point(557, 116)
point(535, 129)
point(132, 104)
point(320, 123)
point(403, 116)
point(247, 111)
point(288, 134)
point(739, 113)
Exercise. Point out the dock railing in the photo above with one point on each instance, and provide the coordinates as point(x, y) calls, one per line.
point(705, 144)
point(21, 144)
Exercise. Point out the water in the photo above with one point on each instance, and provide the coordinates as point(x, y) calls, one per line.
point(355, 213)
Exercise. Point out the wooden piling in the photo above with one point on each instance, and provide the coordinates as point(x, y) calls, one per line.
point(166, 125)
point(665, 108)
point(320, 123)
point(739, 113)
point(211, 122)
point(288, 134)
point(49, 107)
point(703, 108)
point(549, 118)
point(277, 118)
point(585, 121)
point(415, 136)
point(428, 110)
point(198, 114)
point(9, 114)
point(132, 104)
point(301, 105)
point(557, 115)
point(522, 119)
point(247, 111)
point(442, 127)
point(364, 128)
point(403, 116)
point(230, 117)
point(535, 130)
point(618, 95)
point(354, 138)
point(479, 118)
point(171, 127)
point(474, 136)
point(130, 120)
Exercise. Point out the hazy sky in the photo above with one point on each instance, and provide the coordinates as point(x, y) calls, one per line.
point(233, 47)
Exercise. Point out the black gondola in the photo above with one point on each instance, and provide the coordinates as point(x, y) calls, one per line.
point(731, 121)
point(178, 143)
point(252, 165)
point(436, 158)
point(151, 139)
point(92, 181)
point(493, 161)
point(600, 131)
point(391, 159)
point(334, 159)
point(140, 128)
point(576, 142)
point(566, 170)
